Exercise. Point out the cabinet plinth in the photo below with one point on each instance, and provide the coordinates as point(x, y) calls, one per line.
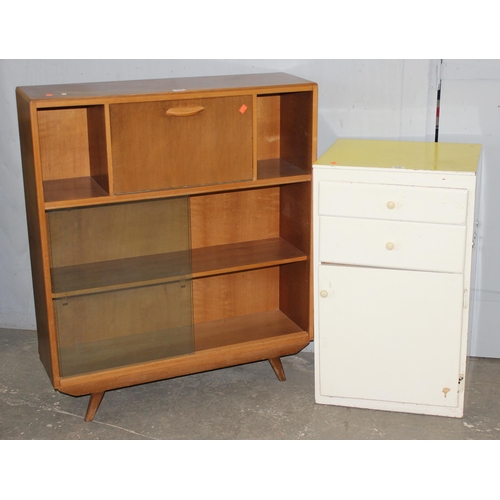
point(170, 225)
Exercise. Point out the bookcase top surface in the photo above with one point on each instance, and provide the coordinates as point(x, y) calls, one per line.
point(405, 155)
point(159, 86)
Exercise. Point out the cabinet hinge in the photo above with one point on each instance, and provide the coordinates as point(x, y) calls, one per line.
point(460, 383)
point(65, 300)
point(466, 299)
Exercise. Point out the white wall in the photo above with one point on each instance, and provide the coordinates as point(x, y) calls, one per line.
point(470, 112)
point(357, 98)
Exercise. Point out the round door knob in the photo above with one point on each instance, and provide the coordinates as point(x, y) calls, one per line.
point(323, 293)
point(389, 245)
point(390, 205)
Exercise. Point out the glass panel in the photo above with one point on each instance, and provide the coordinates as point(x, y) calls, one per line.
point(112, 246)
point(121, 287)
point(113, 329)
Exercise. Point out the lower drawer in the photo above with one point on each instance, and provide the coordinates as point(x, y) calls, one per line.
point(392, 244)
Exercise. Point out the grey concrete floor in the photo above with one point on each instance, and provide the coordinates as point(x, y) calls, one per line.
point(240, 403)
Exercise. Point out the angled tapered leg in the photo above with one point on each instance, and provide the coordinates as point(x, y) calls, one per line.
point(95, 401)
point(278, 368)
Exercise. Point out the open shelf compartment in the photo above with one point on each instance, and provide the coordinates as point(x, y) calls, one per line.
point(73, 152)
point(284, 134)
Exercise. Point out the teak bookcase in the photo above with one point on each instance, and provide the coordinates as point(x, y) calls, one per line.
point(169, 224)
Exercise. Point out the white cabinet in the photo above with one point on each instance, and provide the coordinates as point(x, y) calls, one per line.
point(393, 244)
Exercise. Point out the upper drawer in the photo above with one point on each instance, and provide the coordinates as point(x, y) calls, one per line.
point(189, 142)
point(393, 202)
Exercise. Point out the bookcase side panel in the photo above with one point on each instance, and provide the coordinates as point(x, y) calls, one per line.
point(35, 214)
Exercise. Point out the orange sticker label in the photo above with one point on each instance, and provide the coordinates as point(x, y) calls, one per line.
point(243, 108)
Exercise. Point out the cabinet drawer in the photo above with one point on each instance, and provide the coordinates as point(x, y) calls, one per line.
point(190, 142)
point(393, 202)
point(392, 244)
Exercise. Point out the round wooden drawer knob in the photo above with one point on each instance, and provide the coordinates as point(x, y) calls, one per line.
point(389, 245)
point(390, 205)
point(323, 293)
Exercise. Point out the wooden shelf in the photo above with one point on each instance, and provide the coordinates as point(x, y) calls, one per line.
point(154, 346)
point(75, 188)
point(248, 328)
point(223, 259)
point(277, 168)
point(82, 191)
point(168, 267)
point(117, 274)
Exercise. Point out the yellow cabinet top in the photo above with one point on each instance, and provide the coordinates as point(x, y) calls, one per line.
point(442, 156)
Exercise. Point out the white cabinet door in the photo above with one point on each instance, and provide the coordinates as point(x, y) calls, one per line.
point(389, 335)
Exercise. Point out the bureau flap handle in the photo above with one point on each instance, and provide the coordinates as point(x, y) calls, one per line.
point(185, 111)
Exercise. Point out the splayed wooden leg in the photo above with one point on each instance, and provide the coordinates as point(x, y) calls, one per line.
point(278, 368)
point(95, 401)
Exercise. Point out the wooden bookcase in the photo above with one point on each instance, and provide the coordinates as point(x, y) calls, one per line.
point(169, 224)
